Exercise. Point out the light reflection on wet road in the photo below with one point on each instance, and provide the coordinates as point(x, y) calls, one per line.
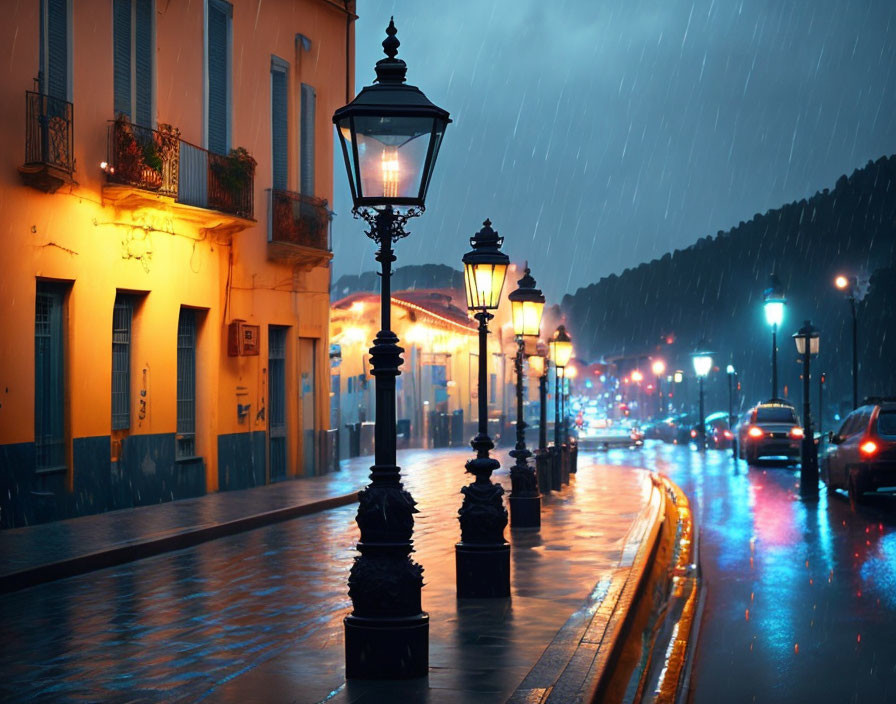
point(800, 596)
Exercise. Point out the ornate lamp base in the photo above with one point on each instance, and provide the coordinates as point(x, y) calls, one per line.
point(483, 571)
point(525, 512)
point(386, 648)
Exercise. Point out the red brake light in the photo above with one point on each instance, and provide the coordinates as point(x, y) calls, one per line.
point(869, 447)
point(755, 432)
point(728, 434)
point(693, 433)
point(796, 431)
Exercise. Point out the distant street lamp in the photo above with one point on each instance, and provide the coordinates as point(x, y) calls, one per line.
point(731, 386)
point(390, 136)
point(483, 556)
point(561, 352)
point(659, 368)
point(526, 304)
point(849, 286)
point(807, 345)
point(702, 364)
point(774, 316)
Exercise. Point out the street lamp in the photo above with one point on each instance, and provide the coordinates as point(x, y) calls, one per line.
point(561, 352)
point(806, 340)
point(482, 556)
point(538, 366)
point(732, 374)
point(526, 304)
point(849, 285)
point(774, 316)
point(659, 368)
point(390, 136)
point(702, 364)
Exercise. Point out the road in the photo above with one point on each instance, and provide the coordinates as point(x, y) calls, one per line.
point(800, 596)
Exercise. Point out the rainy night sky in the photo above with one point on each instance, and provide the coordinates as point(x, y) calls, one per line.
point(597, 135)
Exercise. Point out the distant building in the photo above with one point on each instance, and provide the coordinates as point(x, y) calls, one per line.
point(437, 390)
point(166, 262)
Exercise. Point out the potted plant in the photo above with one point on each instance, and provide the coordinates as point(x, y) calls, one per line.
point(234, 174)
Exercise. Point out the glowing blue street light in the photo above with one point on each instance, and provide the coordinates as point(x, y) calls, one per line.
point(702, 365)
point(775, 301)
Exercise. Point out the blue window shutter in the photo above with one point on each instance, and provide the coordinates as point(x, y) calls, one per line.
point(143, 57)
point(279, 128)
point(307, 149)
point(57, 49)
point(121, 39)
point(218, 60)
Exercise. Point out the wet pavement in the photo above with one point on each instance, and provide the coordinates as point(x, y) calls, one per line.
point(800, 596)
point(258, 616)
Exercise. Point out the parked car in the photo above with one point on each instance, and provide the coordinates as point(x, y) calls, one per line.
point(606, 433)
point(861, 455)
point(773, 430)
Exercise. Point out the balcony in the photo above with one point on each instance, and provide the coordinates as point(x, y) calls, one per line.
point(49, 154)
point(147, 167)
point(298, 228)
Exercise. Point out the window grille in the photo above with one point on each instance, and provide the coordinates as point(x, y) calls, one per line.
point(186, 383)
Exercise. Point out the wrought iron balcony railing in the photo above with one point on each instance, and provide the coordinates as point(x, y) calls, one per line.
point(48, 132)
point(143, 157)
point(159, 161)
point(299, 219)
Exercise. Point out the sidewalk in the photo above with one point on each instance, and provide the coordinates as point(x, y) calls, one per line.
point(47, 551)
point(258, 616)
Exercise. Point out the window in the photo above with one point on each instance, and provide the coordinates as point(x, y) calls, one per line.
point(54, 56)
point(886, 423)
point(186, 384)
point(218, 62)
point(306, 175)
point(775, 414)
point(122, 316)
point(133, 38)
point(279, 123)
point(277, 402)
point(49, 377)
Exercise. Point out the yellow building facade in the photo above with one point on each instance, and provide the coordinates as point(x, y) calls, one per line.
point(166, 260)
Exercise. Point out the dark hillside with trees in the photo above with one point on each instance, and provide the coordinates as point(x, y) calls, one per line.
point(713, 290)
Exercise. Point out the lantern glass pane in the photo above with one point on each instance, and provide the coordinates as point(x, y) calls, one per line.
point(484, 283)
point(702, 364)
point(392, 155)
point(800, 344)
point(774, 312)
point(561, 352)
point(536, 365)
point(813, 344)
point(516, 308)
point(532, 317)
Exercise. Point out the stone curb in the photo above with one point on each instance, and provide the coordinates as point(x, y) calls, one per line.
point(122, 554)
point(599, 654)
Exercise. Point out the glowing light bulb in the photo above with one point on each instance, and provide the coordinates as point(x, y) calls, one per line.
point(389, 165)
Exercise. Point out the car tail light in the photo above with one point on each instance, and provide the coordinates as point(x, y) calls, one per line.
point(755, 432)
point(796, 432)
point(728, 434)
point(869, 447)
point(693, 433)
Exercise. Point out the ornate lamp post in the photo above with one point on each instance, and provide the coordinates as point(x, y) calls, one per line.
point(806, 345)
point(561, 352)
point(849, 284)
point(775, 300)
point(731, 377)
point(702, 364)
point(390, 135)
point(483, 556)
point(527, 304)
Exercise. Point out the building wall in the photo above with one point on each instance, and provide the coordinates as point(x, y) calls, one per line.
point(99, 240)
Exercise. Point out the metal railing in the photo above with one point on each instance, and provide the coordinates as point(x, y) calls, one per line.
point(299, 219)
point(230, 188)
point(48, 131)
point(143, 157)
